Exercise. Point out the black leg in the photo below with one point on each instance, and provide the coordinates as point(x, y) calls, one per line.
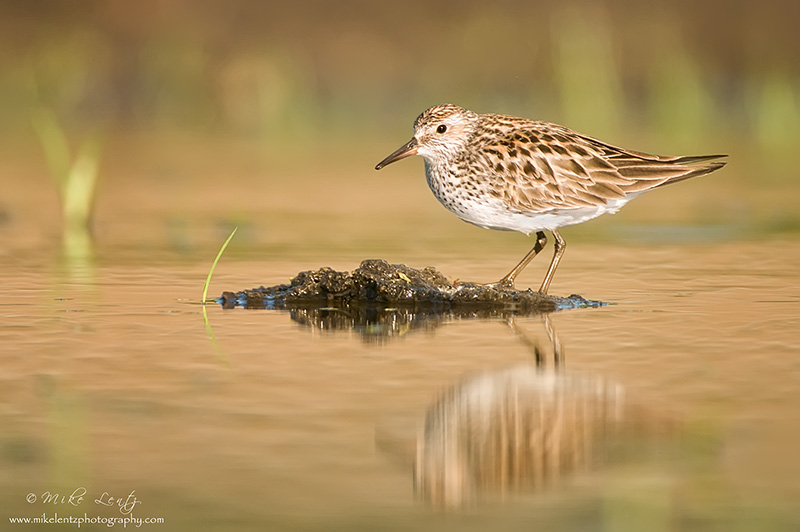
point(538, 353)
point(560, 247)
point(541, 241)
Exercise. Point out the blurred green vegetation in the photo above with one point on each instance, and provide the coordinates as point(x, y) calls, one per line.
point(74, 177)
point(666, 77)
point(677, 69)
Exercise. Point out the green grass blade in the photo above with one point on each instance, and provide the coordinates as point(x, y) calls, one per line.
point(209, 330)
point(80, 185)
point(214, 265)
point(211, 337)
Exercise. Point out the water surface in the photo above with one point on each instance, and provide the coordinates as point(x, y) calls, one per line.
point(673, 408)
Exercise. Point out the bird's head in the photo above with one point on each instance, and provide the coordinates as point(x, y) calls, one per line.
point(440, 133)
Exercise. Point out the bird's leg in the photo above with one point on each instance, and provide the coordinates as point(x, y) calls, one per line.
point(527, 342)
point(508, 280)
point(558, 352)
point(533, 345)
point(560, 245)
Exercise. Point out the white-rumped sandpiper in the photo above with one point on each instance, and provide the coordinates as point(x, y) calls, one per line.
point(514, 174)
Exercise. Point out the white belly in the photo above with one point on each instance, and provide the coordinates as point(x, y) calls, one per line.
point(484, 210)
point(492, 213)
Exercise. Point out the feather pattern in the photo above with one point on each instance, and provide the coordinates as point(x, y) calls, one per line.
point(543, 167)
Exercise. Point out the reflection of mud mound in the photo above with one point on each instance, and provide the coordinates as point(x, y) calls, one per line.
point(378, 282)
point(378, 323)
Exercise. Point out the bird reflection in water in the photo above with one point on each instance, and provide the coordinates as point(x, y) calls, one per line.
point(507, 431)
point(522, 429)
point(511, 430)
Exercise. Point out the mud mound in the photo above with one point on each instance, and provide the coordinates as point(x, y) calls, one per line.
point(377, 283)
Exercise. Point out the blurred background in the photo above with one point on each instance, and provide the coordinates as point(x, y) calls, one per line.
point(201, 115)
point(134, 135)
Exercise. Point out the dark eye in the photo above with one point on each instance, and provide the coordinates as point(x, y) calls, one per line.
point(441, 129)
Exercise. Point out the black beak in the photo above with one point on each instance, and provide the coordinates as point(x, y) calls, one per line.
point(406, 150)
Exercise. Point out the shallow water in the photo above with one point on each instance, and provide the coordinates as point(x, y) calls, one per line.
point(673, 408)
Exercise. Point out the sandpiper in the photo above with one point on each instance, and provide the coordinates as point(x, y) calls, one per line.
point(514, 174)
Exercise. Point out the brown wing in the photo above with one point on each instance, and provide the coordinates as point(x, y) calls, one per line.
point(549, 167)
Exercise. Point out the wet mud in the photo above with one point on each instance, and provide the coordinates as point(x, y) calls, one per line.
point(376, 284)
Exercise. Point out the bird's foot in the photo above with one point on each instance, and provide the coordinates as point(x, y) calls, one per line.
point(502, 284)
